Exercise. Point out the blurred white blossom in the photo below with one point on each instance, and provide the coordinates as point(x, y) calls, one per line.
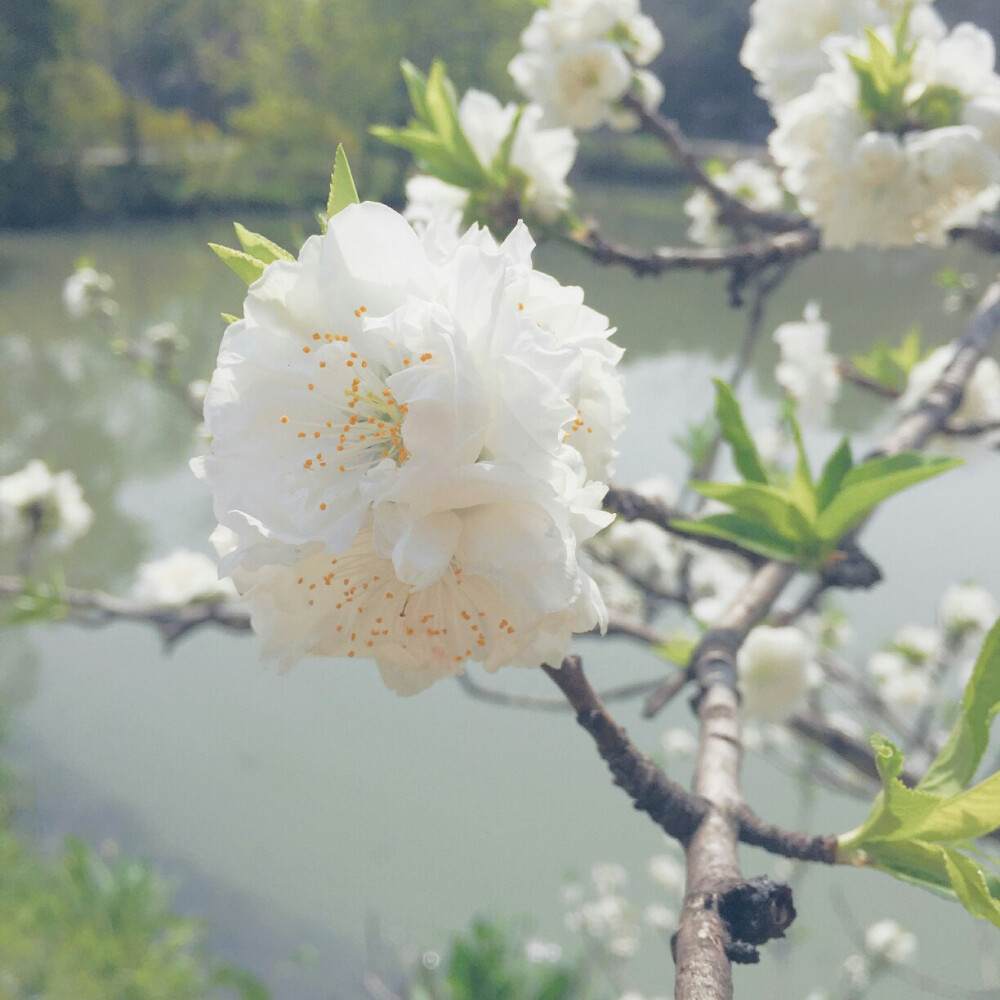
point(807, 371)
point(715, 579)
point(772, 671)
point(679, 743)
point(789, 42)
point(543, 156)
point(885, 939)
point(890, 188)
point(580, 58)
point(756, 184)
point(667, 872)
point(35, 503)
point(967, 606)
point(87, 290)
point(181, 578)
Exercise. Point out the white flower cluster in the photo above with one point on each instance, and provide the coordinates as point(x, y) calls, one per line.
point(864, 181)
point(980, 400)
point(543, 156)
point(754, 183)
point(773, 671)
point(715, 580)
point(967, 608)
point(181, 578)
point(35, 503)
point(807, 371)
point(580, 59)
point(789, 43)
point(608, 919)
point(409, 446)
point(88, 291)
point(887, 942)
point(633, 558)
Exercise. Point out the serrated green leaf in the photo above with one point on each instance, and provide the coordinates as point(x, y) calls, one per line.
point(969, 882)
point(836, 468)
point(764, 505)
point(248, 268)
point(734, 432)
point(230, 318)
point(955, 765)
point(260, 246)
point(416, 86)
point(867, 485)
point(965, 816)
point(747, 534)
point(442, 111)
point(433, 154)
point(342, 189)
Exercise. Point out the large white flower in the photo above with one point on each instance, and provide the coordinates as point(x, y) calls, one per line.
point(180, 578)
point(807, 371)
point(409, 445)
point(752, 182)
point(896, 188)
point(36, 503)
point(788, 45)
point(580, 58)
point(543, 155)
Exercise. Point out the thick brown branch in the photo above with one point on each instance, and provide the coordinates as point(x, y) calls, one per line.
point(790, 844)
point(669, 804)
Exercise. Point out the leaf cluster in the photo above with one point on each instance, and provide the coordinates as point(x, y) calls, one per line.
point(885, 93)
point(801, 520)
point(489, 963)
point(924, 834)
point(891, 366)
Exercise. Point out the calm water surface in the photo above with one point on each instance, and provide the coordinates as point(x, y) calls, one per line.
point(292, 810)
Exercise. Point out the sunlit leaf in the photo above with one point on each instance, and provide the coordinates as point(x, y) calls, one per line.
point(342, 189)
point(248, 268)
point(734, 432)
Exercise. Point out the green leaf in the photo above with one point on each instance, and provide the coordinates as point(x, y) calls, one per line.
point(955, 765)
point(247, 267)
point(801, 489)
point(836, 468)
point(40, 602)
point(970, 814)
point(229, 318)
point(677, 648)
point(765, 505)
point(735, 434)
point(880, 366)
point(500, 167)
point(342, 189)
point(908, 354)
point(260, 246)
point(434, 155)
point(416, 86)
point(747, 534)
point(442, 111)
point(867, 485)
point(969, 882)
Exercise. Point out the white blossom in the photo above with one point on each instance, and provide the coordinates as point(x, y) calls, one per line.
point(181, 578)
point(37, 503)
point(887, 189)
point(807, 371)
point(580, 57)
point(885, 939)
point(772, 671)
point(678, 743)
point(86, 290)
point(540, 952)
point(754, 183)
point(715, 580)
point(967, 607)
point(543, 155)
point(788, 44)
point(667, 872)
point(920, 644)
point(661, 917)
point(856, 970)
point(410, 450)
point(609, 878)
point(619, 592)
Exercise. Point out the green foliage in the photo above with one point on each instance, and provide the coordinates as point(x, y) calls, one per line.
point(489, 963)
point(800, 521)
point(891, 366)
point(81, 928)
point(923, 834)
point(342, 189)
point(885, 95)
point(41, 602)
point(243, 264)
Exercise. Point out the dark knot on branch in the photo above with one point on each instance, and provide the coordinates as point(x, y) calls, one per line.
point(753, 912)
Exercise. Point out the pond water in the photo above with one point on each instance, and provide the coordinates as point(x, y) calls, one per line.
point(294, 811)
